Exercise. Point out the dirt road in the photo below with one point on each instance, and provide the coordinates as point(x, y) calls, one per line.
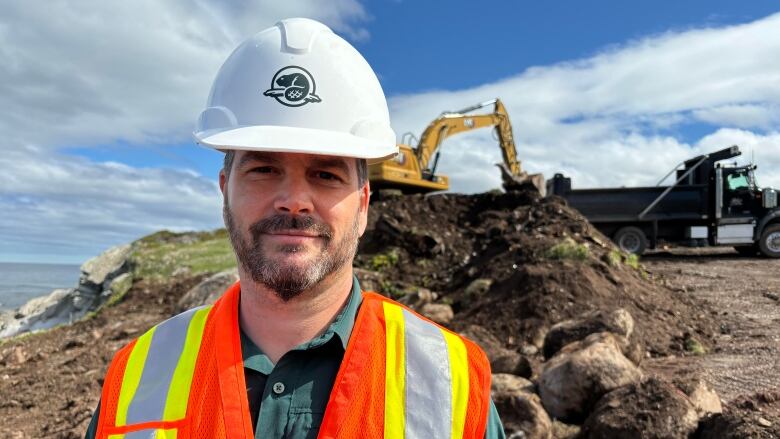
point(744, 294)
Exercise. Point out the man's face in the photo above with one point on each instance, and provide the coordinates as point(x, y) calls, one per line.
point(293, 219)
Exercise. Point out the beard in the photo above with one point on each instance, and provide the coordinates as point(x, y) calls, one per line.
point(289, 279)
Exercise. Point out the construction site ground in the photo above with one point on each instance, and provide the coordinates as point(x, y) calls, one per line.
point(744, 295)
point(540, 263)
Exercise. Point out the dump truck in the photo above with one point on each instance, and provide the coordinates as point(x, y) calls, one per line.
point(413, 170)
point(710, 203)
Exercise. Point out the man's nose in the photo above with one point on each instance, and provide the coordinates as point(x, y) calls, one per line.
point(294, 198)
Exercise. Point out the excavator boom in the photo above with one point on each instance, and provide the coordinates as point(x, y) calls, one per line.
point(414, 169)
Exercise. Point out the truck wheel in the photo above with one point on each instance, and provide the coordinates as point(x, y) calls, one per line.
point(631, 240)
point(770, 241)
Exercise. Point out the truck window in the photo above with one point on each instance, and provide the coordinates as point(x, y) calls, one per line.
point(737, 181)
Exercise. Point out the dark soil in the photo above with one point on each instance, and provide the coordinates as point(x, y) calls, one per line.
point(445, 242)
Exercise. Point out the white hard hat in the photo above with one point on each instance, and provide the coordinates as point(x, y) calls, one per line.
point(298, 87)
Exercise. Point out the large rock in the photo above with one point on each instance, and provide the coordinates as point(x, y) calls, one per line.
point(39, 313)
point(100, 270)
point(507, 361)
point(653, 409)
point(580, 373)
point(209, 290)
point(521, 410)
point(440, 313)
point(100, 277)
point(618, 322)
point(564, 431)
point(97, 274)
point(704, 399)
point(502, 360)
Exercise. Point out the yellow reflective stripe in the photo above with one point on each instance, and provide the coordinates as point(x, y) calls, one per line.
point(116, 436)
point(133, 371)
point(459, 371)
point(166, 434)
point(179, 390)
point(395, 371)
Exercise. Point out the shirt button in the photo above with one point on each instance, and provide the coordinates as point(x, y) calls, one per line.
point(278, 388)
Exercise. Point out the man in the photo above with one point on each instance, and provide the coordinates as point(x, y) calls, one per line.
point(295, 349)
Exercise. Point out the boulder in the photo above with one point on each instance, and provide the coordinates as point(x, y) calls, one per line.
point(703, 398)
point(506, 361)
point(40, 313)
point(473, 291)
point(579, 374)
point(564, 431)
point(438, 312)
point(208, 290)
point(418, 297)
point(521, 410)
point(103, 268)
point(618, 322)
point(647, 410)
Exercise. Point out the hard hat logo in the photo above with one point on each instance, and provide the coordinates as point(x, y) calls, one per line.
point(293, 86)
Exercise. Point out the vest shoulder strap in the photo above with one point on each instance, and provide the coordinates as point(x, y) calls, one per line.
point(148, 383)
point(406, 376)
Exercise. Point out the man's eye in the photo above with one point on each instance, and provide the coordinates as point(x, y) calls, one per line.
point(326, 175)
point(262, 169)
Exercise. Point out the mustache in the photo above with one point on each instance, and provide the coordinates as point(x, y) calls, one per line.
point(281, 222)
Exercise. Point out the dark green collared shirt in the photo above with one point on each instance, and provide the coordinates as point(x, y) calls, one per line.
point(288, 400)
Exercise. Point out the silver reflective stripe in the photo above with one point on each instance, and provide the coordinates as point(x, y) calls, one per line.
point(428, 382)
point(150, 433)
point(164, 351)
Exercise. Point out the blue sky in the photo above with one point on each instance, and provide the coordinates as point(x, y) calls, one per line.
point(98, 151)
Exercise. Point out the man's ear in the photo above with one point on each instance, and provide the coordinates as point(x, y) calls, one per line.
point(365, 193)
point(222, 181)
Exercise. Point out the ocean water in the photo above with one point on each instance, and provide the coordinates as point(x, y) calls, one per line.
point(21, 282)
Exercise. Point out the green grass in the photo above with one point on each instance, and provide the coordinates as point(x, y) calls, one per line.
point(156, 257)
point(616, 257)
point(119, 288)
point(632, 261)
point(382, 261)
point(568, 249)
point(389, 288)
point(694, 346)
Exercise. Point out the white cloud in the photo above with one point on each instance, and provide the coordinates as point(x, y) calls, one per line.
point(92, 71)
point(89, 72)
point(615, 118)
point(67, 208)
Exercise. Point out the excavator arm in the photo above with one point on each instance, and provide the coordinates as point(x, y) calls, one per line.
point(451, 123)
point(414, 168)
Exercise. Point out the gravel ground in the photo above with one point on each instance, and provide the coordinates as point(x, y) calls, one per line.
point(744, 295)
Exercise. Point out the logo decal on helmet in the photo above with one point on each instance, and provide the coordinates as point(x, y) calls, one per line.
point(293, 86)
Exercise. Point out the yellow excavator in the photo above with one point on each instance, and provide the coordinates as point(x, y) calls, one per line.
point(413, 170)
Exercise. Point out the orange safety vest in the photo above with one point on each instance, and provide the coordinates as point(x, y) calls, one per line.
point(402, 376)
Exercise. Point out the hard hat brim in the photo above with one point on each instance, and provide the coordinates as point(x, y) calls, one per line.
point(298, 140)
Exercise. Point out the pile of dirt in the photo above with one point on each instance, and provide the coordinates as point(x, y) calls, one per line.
point(511, 264)
point(516, 264)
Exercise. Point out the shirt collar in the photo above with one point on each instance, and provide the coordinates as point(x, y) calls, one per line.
point(342, 325)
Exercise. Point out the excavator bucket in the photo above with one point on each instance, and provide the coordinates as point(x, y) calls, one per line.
point(522, 180)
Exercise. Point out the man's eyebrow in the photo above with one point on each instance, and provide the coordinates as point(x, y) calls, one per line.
point(339, 163)
point(259, 156)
